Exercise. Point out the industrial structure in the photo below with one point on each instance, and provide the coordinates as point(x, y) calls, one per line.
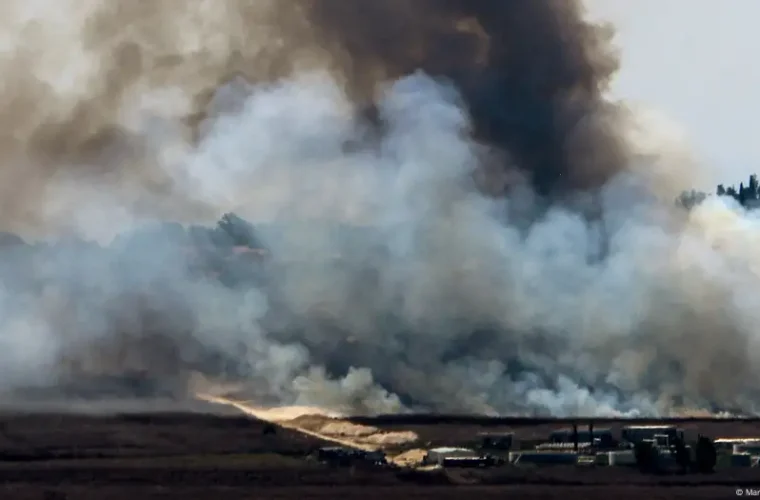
point(587, 437)
point(664, 445)
point(459, 457)
point(738, 452)
point(339, 456)
point(666, 434)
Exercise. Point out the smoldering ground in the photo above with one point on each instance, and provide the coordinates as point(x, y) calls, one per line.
point(456, 219)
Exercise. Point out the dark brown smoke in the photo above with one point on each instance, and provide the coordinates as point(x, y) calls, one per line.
point(532, 74)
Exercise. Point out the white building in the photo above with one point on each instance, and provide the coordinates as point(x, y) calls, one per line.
point(437, 456)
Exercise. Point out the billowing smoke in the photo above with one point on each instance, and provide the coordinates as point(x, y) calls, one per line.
point(448, 214)
point(531, 76)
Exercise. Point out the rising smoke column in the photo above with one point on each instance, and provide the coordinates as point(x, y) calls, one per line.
point(460, 311)
point(92, 86)
point(394, 282)
point(532, 76)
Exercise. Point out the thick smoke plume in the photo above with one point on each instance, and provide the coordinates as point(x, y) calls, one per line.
point(448, 214)
point(531, 75)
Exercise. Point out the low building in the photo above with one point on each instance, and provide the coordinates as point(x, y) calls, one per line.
point(438, 456)
point(345, 457)
point(637, 433)
point(727, 444)
point(555, 446)
point(543, 458)
point(471, 462)
point(598, 437)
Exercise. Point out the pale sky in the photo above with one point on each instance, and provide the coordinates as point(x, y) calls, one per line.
point(698, 61)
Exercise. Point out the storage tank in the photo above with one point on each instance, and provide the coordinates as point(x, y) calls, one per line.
point(621, 458)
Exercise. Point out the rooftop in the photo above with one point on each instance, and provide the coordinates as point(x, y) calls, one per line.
point(636, 427)
point(448, 449)
point(582, 429)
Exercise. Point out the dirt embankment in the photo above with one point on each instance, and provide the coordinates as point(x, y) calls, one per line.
point(323, 425)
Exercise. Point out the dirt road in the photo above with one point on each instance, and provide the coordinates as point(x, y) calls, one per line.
point(287, 423)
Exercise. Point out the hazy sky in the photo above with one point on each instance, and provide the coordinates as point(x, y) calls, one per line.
point(696, 61)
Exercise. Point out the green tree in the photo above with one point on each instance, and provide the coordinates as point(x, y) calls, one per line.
point(706, 455)
point(690, 199)
point(646, 456)
point(682, 455)
point(239, 231)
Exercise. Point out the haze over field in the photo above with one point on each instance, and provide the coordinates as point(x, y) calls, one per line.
point(456, 215)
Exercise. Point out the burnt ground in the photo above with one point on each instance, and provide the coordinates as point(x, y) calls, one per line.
point(186, 453)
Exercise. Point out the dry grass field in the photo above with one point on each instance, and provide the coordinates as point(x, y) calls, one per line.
point(196, 454)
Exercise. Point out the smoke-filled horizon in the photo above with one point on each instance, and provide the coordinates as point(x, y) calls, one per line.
point(457, 219)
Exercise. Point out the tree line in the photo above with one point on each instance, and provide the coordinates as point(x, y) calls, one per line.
point(747, 195)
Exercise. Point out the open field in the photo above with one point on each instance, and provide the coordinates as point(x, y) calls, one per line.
point(122, 492)
point(191, 453)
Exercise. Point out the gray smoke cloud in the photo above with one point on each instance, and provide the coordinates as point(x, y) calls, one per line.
point(394, 281)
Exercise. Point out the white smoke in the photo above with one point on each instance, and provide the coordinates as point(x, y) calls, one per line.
point(657, 320)
point(394, 283)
